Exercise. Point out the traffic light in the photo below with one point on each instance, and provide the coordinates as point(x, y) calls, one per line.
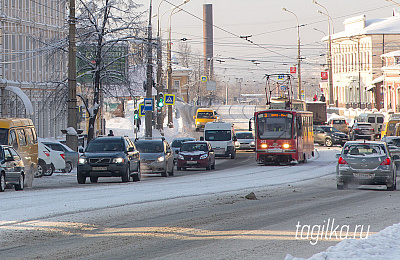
point(160, 100)
point(136, 114)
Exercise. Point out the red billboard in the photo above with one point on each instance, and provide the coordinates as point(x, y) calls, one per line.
point(324, 75)
point(292, 69)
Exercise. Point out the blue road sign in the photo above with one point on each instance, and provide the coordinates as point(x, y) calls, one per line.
point(148, 104)
point(281, 77)
point(283, 88)
point(169, 99)
point(203, 78)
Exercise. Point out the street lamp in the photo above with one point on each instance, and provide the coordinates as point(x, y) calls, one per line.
point(329, 56)
point(169, 67)
point(298, 51)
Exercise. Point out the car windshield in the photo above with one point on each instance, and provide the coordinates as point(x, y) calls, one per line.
point(273, 125)
point(338, 121)
point(3, 136)
point(149, 146)
point(190, 147)
point(244, 135)
point(178, 143)
point(105, 146)
point(394, 141)
point(330, 129)
point(218, 135)
point(364, 150)
point(205, 115)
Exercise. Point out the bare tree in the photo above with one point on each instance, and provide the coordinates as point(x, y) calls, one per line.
point(106, 31)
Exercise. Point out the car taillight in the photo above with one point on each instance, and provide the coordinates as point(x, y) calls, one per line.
point(63, 156)
point(342, 161)
point(46, 153)
point(386, 161)
point(357, 129)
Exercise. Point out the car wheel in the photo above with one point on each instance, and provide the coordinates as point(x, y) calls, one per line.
point(164, 173)
point(20, 185)
point(50, 170)
point(393, 186)
point(138, 175)
point(41, 168)
point(126, 175)
point(2, 182)
point(179, 168)
point(328, 142)
point(68, 167)
point(81, 178)
point(342, 186)
point(94, 179)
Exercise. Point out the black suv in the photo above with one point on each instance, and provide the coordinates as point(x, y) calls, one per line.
point(109, 157)
point(328, 135)
point(362, 131)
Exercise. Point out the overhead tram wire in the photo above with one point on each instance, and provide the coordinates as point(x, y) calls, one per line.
point(228, 32)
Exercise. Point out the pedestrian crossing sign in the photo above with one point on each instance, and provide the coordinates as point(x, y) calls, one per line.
point(142, 112)
point(169, 99)
point(203, 78)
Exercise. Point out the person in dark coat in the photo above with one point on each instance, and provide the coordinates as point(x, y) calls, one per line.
point(111, 133)
point(322, 98)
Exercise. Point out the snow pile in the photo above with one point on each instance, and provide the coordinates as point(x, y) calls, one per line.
point(383, 245)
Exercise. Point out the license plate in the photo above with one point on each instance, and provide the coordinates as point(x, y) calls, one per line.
point(99, 168)
point(191, 162)
point(364, 175)
point(219, 151)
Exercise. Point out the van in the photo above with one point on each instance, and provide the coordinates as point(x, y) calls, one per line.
point(376, 120)
point(20, 133)
point(339, 123)
point(222, 138)
point(388, 128)
point(203, 116)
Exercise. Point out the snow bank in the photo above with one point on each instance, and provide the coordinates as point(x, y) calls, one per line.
point(383, 245)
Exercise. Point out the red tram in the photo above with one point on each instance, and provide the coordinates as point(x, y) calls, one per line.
point(283, 136)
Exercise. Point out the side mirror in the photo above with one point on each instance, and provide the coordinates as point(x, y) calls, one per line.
point(234, 138)
point(250, 128)
point(194, 117)
point(337, 155)
point(177, 151)
point(395, 157)
point(81, 150)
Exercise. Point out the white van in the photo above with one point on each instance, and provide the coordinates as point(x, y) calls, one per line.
point(222, 138)
point(376, 120)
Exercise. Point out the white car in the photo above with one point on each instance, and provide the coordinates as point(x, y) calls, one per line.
point(246, 140)
point(49, 160)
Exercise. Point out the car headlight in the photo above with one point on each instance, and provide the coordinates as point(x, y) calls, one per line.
point(204, 156)
point(252, 143)
point(286, 146)
point(82, 160)
point(180, 157)
point(118, 160)
point(160, 159)
point(264, 146)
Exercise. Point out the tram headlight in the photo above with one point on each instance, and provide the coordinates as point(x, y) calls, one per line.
point(286, 146)
point(264, 146)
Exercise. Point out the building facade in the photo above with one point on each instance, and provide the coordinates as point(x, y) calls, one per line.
point(356, 60)
point(32, 34)
point(390, 81)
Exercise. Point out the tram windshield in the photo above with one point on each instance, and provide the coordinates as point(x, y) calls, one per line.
point(274, 125)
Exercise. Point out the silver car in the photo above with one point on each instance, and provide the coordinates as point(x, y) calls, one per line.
point(365, 163)
point(155, 156)
point(246, 140)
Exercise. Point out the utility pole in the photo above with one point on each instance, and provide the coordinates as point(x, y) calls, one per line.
point(149, 85)
point(159, 79)
point(72, 138)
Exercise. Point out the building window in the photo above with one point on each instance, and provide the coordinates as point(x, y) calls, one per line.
point(176, 84)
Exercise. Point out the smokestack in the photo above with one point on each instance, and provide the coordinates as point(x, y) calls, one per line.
point(208, 40)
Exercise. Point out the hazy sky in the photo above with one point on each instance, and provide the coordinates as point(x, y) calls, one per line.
point(271, 27)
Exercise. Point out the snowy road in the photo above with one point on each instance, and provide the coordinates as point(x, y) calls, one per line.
point(195, 215)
